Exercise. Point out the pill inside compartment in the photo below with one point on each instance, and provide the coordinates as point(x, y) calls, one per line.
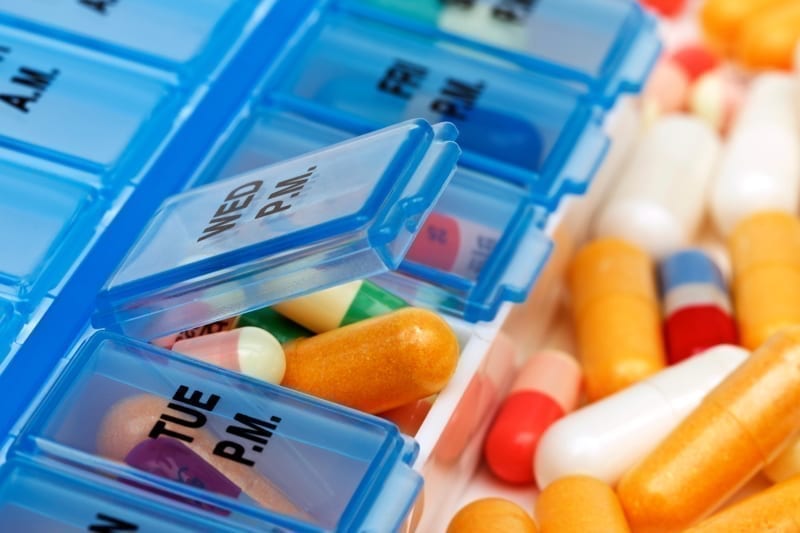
point(322, 465)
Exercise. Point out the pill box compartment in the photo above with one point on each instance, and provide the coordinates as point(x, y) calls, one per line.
point(323, 465)
point(41, 498)
point(184, 35)
point(611, 47)
point(482, 245)
point(358, 74)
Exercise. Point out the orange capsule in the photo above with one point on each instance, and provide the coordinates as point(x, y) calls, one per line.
point(722, 20)
point(767, 41)
point(376, 364)
point(580, 504)
point(492, 515)
point(775, 509)
point(738, 428)
point(765, 256)
point(617, 316)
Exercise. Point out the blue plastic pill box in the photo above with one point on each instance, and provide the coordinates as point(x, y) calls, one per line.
point(110, 107)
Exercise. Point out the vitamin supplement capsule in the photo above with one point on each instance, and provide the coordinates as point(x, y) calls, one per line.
point(580, 504)
point(786, 465)
point(669, 8)
point(697, 310)
point(616, 314)
point(759, 168)
point(658, 202)
point(546, 388)
point(695, 59)
point(665, 92)
point(738, 428)
point(767, 40)
point(492, 515)
point(453, 245)
point(606, 438)
point(124, 436)
point(776, 509)
point(339, 306)
point(251, 351)
point(722, 20)
point(376, 364)
point(765, 259)
point(716, 98)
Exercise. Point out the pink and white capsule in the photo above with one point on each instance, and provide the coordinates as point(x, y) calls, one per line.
point(251, 351)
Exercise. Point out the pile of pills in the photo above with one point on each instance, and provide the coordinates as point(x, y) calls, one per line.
point(685, 303)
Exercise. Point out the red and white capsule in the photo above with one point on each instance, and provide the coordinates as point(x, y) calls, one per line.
point(546, 389)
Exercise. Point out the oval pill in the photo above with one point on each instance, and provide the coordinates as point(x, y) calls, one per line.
point(492, 515)
point(546, 388)
point(658, 202)
point(580, 504)
point(765, 260)
point(251, 351)
point(606, 438)
point(376, 364)
point(737, 429)
point(616, 314)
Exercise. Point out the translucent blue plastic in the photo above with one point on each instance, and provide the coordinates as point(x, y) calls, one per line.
point(513, 123)
point(344, 212)
point(59, 104)
point(52, 497)
point(334, 468)
point(52, 219)
point(177, 31)
point(486, 249)
point(611, 46)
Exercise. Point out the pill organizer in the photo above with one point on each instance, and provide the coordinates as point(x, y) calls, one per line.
point(108, 108)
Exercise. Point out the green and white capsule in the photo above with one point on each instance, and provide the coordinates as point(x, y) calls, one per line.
point(339, 306)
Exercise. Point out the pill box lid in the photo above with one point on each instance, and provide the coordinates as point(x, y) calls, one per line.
point(611, 48)
point(345, 212)
point(49, 496)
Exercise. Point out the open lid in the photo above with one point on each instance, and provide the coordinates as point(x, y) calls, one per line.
point(610, 48)
point(345, 212)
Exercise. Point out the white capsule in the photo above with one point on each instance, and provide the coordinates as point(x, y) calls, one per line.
point(659, 200)
point(760, 164)
point(606, 438)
